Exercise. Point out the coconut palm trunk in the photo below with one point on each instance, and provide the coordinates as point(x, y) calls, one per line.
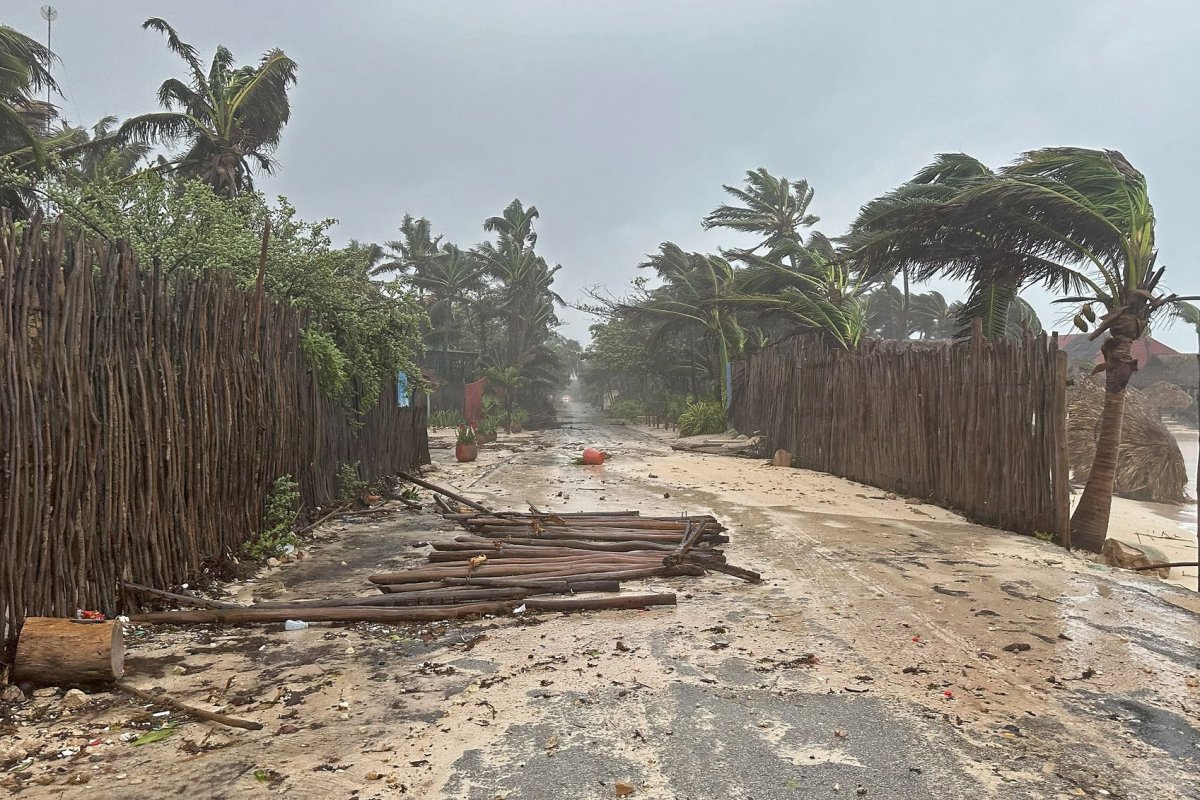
point(1089, 523)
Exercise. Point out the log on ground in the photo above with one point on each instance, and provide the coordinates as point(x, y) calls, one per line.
point(66, 652)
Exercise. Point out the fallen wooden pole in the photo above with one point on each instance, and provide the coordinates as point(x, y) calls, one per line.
point(182, 599)
point(497, 570)
point(440, 596)
point(199, 713)
point(1171, 565)
point(570, 514)
point(640, 523)
point(596, 534)
point(609, 574)
point(728, 569)
point(240, 616)
point(433, 487)
point(467, 542)
point(533, 554)
point(558, 585)
point(399, 498)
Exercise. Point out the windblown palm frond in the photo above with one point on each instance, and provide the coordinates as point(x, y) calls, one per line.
point(770, 206)
point(227, 121)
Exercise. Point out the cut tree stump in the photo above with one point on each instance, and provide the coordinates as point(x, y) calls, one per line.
point(66, 652)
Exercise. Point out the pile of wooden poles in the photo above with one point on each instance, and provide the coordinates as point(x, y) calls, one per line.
point(507, 562)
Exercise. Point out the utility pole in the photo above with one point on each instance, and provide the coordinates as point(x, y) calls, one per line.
point(49, 13)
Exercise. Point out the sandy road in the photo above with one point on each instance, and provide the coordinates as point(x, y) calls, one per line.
point(883, 657)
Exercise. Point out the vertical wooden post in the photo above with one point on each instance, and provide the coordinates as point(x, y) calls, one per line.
point(258, 286)
point(1062, 461)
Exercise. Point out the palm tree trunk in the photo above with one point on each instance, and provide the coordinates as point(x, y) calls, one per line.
point(904, 306)
point(1089, 523)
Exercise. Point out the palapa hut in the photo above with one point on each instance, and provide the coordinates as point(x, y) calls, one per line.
point(1165, 398)
point(1149, 467)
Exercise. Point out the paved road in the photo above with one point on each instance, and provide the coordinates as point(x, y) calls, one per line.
point(872, 662)
point(912, 694)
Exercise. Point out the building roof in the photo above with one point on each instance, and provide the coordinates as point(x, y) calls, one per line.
point(1078, 348)
point(1178, 369)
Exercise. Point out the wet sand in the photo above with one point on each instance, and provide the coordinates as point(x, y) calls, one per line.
point(1166, 532)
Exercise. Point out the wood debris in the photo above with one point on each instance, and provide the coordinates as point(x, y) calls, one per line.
point(509, 562)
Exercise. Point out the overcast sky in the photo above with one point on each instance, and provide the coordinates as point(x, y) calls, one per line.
point(620, 119)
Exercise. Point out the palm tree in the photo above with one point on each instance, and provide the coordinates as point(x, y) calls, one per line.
point(694, 304)
point(25, 137)
point(515, 224)
point(228, 119)
point(24, 72)
point(772, 207)
point(933, 317)
point(1022, 318)
point(914, 231)
point(104, 159)
point(884, 313)
point(811, 292)
point(447, 280)
point(522, 279)
point(1068, 218)
point(508, 380)
point(415, 251)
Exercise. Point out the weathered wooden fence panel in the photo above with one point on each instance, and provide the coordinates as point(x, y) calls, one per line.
point(975, 425)
point(142, 423)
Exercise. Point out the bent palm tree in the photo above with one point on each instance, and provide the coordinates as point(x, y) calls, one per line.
point(1065, 217)
point(915, 230)
point(694, 304)
point(228, 119)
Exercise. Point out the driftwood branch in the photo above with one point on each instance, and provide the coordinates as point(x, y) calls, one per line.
point(310, 526)
point(199, 713)
point(183, 599)
point(433, 487)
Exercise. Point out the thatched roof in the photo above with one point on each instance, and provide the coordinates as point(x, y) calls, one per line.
point(1179, 369)
point(1165, 397)
point(1149, 467)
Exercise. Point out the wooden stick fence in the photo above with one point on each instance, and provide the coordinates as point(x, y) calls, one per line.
point(977, 425)
point(144, 419)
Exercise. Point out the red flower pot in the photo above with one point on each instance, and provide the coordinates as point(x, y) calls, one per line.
point(466, 452)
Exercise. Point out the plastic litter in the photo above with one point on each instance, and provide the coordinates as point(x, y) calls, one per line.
point(294, 625)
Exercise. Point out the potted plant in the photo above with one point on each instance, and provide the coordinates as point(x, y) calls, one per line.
point(516, 420)
point(487, 430)
point(466, 448)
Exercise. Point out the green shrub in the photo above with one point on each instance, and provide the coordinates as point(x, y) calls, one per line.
point(625, 409)
point(702, 418)
point(279, 515)
point(349, 484)
point(446, 418)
